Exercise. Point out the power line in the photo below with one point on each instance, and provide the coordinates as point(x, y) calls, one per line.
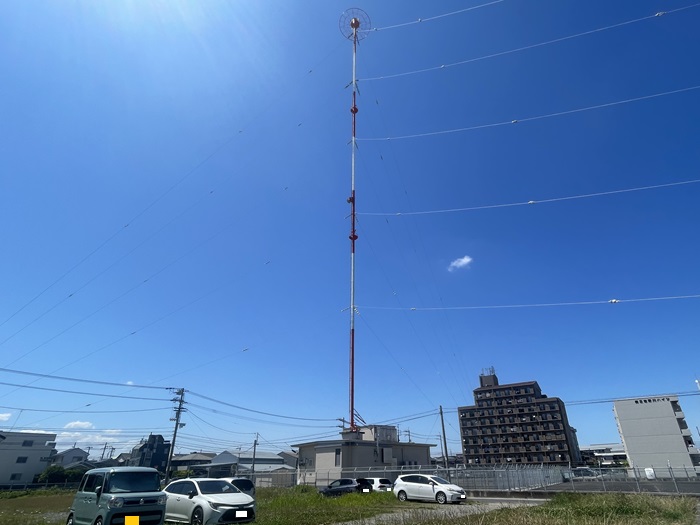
point(613, 399)
point(80, 380)
point(85, 411)
point(531, 202)
point(257, 411)
point(523, 48)
point(82, 393)
point(429, 19)
point(253, 419)
point(530, 119)
point(535, 305)
point(152, 204)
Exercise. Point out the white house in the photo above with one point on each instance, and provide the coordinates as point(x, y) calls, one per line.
point(24, 455)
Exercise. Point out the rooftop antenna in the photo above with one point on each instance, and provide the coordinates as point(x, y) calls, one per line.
point(354, 25)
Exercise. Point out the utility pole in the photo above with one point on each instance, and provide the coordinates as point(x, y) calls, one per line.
point(444, 444)
point(180, 400)
point(252, 466)
point(104, 449)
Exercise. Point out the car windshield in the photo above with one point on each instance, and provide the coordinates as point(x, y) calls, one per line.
point(133, 482)
point(439, 480)
point(385, 481)
point(217, 487)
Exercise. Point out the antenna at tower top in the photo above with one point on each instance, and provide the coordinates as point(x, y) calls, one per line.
point(354, 24)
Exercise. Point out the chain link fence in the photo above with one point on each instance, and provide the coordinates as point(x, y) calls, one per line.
point(533, 478)
point(507, 479)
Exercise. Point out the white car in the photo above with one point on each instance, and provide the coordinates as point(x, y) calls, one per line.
point(380, 484)
point(207, 501)
point(428, 488)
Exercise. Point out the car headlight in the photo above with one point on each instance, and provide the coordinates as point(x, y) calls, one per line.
point(115, 503)
point(249, 506)
point(162, 499)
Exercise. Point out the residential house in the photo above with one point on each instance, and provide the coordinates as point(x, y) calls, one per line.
point(69, 457)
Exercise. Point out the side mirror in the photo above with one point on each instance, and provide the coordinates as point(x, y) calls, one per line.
point(98, 492)
point(191, 494)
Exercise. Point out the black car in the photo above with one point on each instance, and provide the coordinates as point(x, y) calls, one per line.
point(345, 486)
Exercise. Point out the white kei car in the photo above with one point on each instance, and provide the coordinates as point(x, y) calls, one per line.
point(428, 488)
point(206, 501)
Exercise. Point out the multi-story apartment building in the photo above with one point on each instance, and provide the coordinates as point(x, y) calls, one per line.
point(516, 424)
point(654, 432)
point(24, 455)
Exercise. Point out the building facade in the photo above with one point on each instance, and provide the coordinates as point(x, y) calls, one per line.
point(24, 455)
point(516, 424)
point(356, 453)
point(654, 432)
point(604, 455)
point(152, 452)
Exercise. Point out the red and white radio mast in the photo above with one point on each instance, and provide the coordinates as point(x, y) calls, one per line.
point(354, 25)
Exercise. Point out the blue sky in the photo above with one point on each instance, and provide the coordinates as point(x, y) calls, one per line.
point(174, 184)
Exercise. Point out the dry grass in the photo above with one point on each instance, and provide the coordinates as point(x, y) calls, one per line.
point(303, 506)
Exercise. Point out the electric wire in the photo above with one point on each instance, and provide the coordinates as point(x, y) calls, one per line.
point(85, 411)
point(613, 399)
point(160, 197)
point(531, 202)
point(253, 419)
point(258, 411)
point(386, 348)
point(82, 380)
point(122, 338)
point(429, 19)
point(531, 46)
point(121, 295)
point(531, 119)
point(116, 396)
point(536, 305)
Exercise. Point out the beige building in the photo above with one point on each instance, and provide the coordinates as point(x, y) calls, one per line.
point(373, 448)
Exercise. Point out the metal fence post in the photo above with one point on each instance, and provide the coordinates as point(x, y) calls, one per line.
point(670, 469)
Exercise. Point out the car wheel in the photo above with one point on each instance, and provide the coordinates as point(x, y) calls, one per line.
point(98, 521)
point(69, 521)
point(441, 498)
point(402, 496)
point(197, 517)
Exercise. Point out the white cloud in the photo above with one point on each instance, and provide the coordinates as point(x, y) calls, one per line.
point(5, 417)
point(79, 424)
point(129, 382)
point(462, 262)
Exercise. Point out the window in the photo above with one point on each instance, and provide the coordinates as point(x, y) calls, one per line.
point(15, 477)
point(337, 457)
point(92, 481)
point(21, 459)
point(27, 443)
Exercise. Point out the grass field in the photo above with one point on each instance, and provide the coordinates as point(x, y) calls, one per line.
point(303, 506)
